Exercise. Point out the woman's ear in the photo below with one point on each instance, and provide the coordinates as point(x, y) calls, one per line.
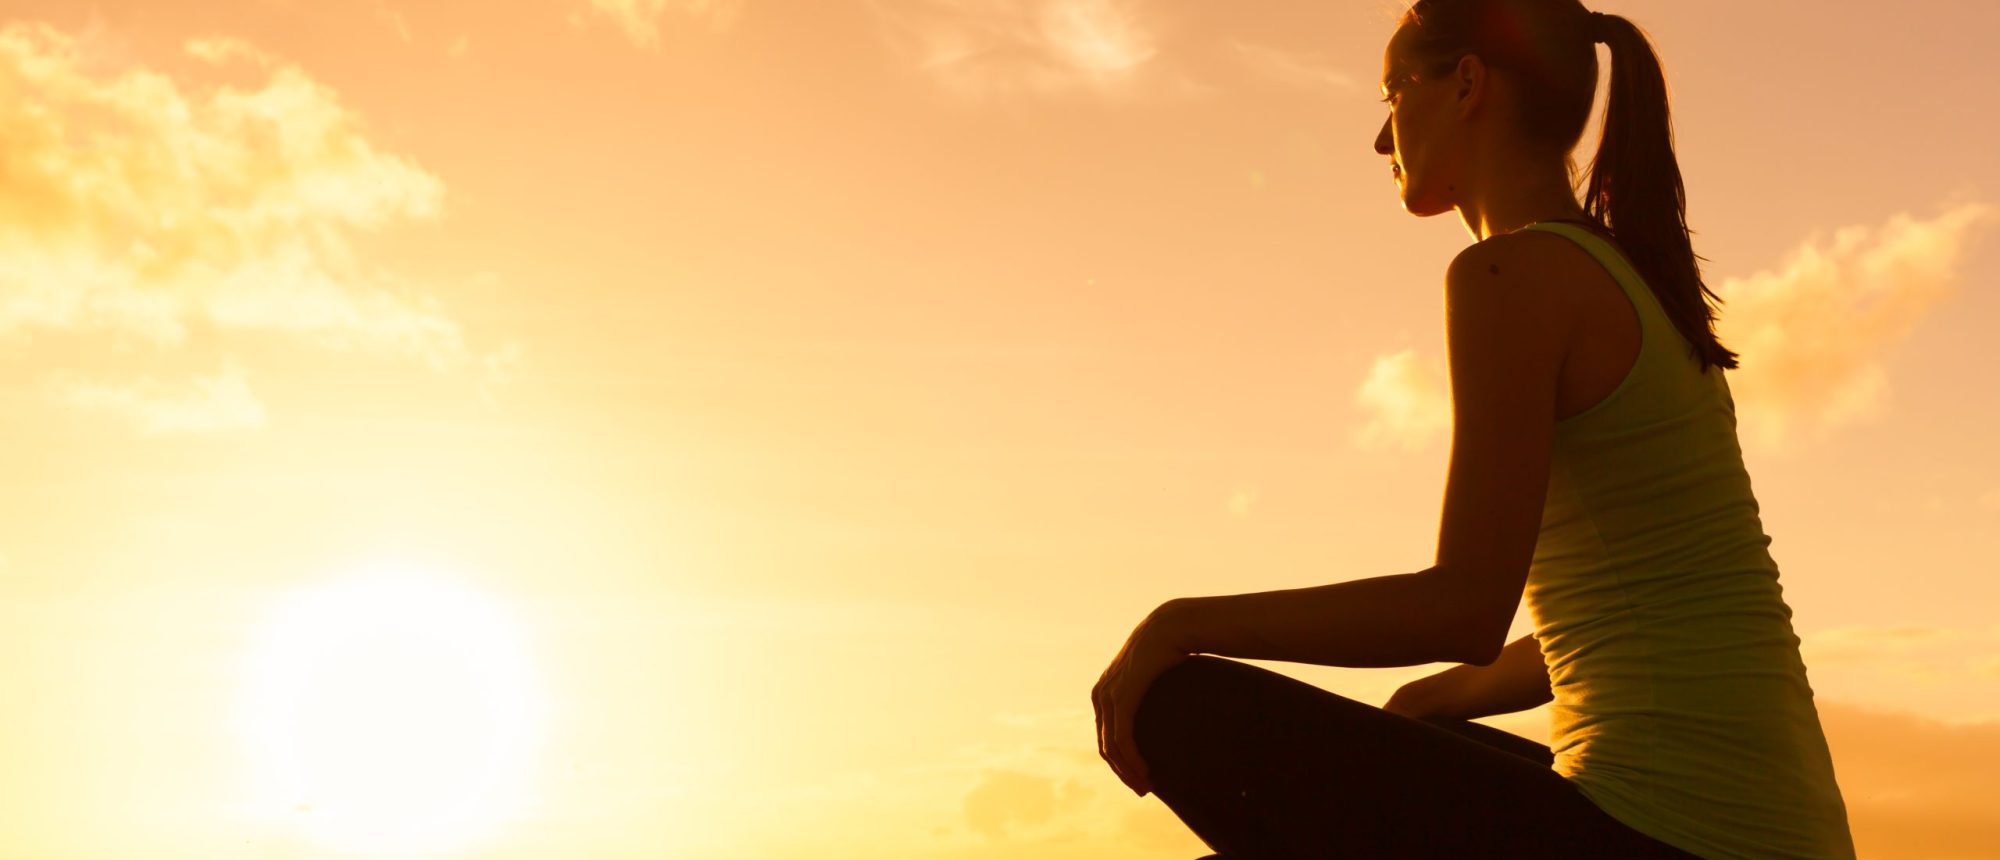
point(1472, 79)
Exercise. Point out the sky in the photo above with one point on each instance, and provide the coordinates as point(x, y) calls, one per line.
point(754, 427)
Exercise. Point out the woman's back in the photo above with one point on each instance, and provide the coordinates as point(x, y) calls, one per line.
point(1681, 703)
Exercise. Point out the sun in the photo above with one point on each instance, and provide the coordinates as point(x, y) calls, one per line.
point(391, 713)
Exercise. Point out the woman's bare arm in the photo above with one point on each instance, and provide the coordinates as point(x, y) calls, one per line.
point(1516, 681)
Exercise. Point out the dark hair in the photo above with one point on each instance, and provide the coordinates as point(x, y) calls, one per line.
point(1635, 190)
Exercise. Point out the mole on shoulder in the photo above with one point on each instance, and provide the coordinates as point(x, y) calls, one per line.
point(1494, 268)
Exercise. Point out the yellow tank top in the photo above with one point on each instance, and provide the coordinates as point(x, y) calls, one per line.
point(1681, 704)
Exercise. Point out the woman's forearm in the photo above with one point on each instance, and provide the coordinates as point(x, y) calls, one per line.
point(1399, 620)
point(1516, 681)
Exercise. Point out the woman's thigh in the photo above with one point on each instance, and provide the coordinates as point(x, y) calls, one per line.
point(1262, 766)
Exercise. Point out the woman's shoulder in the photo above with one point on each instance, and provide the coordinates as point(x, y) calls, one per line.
point(1537, 261)
point(1546, 263)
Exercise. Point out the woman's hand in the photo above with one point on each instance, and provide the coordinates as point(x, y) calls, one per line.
point(1416, 699)
point(1153, 648)
point(1439, 695)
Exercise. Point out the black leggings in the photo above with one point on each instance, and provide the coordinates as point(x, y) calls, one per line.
point(1262, 766)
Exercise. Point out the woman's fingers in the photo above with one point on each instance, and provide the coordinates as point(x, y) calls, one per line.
point(1111, 743)
point(1097, 705)
point(1134, 770)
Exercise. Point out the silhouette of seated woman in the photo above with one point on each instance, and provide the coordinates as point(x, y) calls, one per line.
point(1594, 473)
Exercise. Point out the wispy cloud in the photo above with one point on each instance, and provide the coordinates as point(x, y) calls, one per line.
point(640, 20)
point(1919, 652)
point(981, 49)
point(206, 404)
point(1292, 68)
point(1813, 335)
point(1814, 332)
point(394, 20)
point(143, 206)
point(221, 50)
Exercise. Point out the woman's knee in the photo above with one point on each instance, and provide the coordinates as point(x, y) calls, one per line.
point(1184, 695)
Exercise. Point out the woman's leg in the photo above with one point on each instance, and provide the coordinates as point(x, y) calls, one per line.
point(1262, 766)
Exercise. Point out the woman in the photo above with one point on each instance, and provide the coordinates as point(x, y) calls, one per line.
point(1594, 471)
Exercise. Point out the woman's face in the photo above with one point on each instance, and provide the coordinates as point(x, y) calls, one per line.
point(1418, 135)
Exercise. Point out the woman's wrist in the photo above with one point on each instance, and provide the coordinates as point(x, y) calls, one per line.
point(1178, 627)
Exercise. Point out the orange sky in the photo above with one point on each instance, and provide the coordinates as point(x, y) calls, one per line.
point(821, 392)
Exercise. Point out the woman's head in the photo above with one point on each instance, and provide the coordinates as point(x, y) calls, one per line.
point(1479, 88)
point(1480, 85)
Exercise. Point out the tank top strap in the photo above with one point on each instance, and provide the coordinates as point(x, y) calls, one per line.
point(1613, 260)
point(1657, 336)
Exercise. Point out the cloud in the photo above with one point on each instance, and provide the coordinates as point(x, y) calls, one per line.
point(1868, 642)
point(208, 404)
point(393, 19)
point(1407, 397)
point(1003, 797)
point(221, 50)
point(1814, 332)
point(1292, 69)
point(1916, 788)
point(639, 20)
point(1240, 501)
point(980, 49)
point(1926, 653)
point(1026, 794)
point(144, 208)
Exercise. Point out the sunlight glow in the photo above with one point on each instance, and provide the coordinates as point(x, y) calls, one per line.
point(391, 713)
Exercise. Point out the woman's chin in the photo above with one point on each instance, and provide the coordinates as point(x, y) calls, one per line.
point(1422, 207)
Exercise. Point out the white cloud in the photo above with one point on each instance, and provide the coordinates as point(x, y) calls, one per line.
point(996, 48)
point(1407, 397)
point(1814, 333)
point(639, 20)
point(142, 206)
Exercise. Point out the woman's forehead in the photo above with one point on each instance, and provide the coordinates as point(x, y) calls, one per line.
point(1395, 57)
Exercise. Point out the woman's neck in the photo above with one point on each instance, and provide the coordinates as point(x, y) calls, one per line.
point(1514, 197)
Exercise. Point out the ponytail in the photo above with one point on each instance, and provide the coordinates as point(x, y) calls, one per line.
point(1635, 188)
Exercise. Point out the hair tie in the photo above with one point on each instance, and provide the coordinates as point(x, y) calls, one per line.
point(1599, 28)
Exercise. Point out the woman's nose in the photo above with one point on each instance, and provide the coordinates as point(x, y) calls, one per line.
point(1385, 144)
